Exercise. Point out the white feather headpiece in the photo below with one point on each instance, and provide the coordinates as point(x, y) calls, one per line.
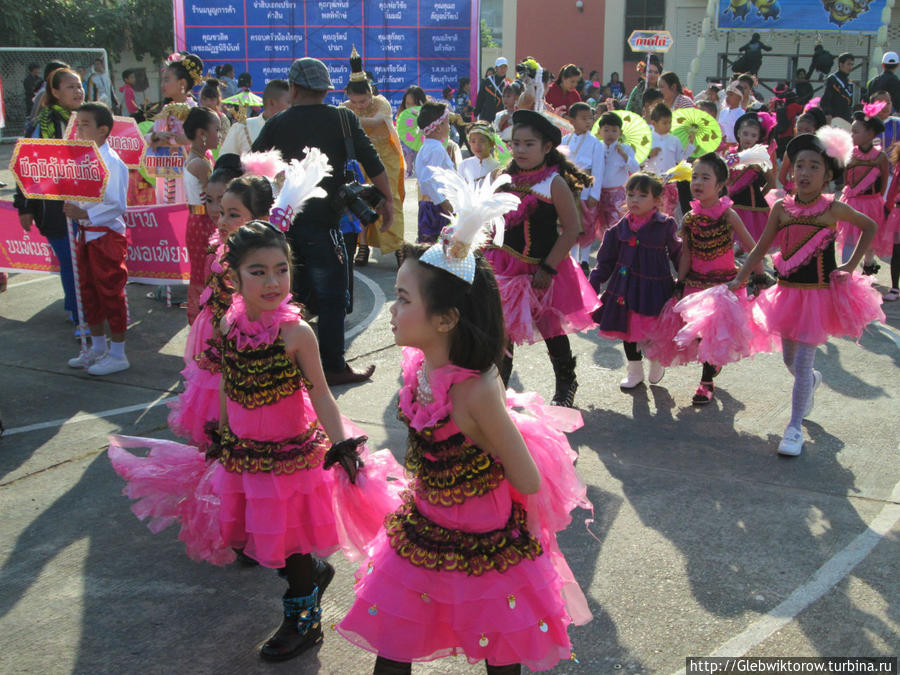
point(301, 179)
point(477, 210)
point(758, 155)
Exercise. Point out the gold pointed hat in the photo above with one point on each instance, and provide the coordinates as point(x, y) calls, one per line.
point(356, 67)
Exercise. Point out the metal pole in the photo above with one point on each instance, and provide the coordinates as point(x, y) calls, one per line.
point(70, 227)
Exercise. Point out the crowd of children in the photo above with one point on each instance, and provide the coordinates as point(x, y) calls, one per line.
point(458, 553)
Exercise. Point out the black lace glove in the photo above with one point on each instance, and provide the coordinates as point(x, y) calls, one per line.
point(346, 454)
point(758, 283)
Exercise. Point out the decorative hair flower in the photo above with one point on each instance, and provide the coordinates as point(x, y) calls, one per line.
point(871, 110)
point(477, 207)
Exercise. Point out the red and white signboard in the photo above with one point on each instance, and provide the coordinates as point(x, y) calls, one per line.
point(650, 41)
point(52, 168)
point(125, 138)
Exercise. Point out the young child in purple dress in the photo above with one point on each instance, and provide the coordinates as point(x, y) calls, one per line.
point(634, 257)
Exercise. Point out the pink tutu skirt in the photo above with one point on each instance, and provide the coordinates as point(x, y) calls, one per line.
point(869, 205)
point(196, 405)
point(532, 315)
point(887, 235)
point(407, 612)
point(641, 328)
point(754, 221)
point(713, 326)
point(812, 315)
point(269, 516)
point(597, 221)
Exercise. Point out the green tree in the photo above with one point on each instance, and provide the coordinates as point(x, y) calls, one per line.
point(487, 36)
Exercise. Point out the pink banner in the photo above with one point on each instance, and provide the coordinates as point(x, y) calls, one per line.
point(157, 249)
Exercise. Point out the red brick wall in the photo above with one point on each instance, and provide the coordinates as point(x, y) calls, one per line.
point(556, 33)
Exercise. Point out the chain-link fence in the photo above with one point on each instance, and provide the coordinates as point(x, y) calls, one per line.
point(14, 68)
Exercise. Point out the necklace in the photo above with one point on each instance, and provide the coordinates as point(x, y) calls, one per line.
point(807, 203)
point(423, 388)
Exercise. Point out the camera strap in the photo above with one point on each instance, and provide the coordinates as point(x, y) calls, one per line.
point(348, 143)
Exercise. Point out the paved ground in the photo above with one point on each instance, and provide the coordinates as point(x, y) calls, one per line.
point(706, 540)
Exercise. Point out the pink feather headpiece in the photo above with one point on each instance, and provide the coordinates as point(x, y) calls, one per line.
point(268, 164)
point(813, 103)
point(838, 144)
point(767, 121)
point(871, 110)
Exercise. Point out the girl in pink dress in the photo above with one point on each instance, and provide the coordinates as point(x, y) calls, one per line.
point(865, 182)
point(469, 563)
point(748, 184)
point(267, 492)
point(887, 239)
point(708, 323)
point(544, 292)
point(245, 199)
point(814, 298)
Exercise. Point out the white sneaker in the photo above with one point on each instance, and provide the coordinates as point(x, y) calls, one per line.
point(109, 364)
point(634, 376)
point(792, 443)
point(817, 380)
point(657, 372)
point(86, 359)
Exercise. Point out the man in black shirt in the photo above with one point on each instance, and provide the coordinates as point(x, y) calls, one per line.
point(886, 81)
point(837, 98)
point(490, 95)
point(321, 270)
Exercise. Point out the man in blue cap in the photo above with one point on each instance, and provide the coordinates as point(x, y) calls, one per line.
point(320, 279)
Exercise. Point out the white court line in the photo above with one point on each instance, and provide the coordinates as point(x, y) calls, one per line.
point(31, 281)
point(821, 582)
point(377, 308)
point(87, 417)
point(373, 315)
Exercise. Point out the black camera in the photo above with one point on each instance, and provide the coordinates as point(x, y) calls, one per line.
point(360, 200)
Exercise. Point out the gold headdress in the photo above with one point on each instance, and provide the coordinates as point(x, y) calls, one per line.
point(356, 67)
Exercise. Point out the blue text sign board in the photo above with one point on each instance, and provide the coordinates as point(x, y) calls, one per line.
point(430, 43)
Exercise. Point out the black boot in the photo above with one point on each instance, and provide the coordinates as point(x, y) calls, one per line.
point(385, 666)
point(512, 669)
point(566, 383)
point(324, 575)
point(300, 629)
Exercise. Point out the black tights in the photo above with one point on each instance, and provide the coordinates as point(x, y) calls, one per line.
point(709, 372)
point(632, 351)
point(385, 666)
point(300, 570)
point(558, 347)
point(895, 266)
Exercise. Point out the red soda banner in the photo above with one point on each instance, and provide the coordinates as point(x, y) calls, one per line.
point(157, 245)
point(52, 168)
point(125, 138)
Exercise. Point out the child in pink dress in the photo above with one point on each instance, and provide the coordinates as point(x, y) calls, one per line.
point(814, 298)
point(865, 182)
point(748, 184)
point(267, 493)
point(709, 323)
point(469, 563)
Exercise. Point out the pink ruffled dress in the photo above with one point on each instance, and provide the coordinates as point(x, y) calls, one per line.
point(745, 188)
point(467, 565)
point(812, 300)
point(530, 233)
point(266, 493)
point(862, 191)
point(199, 403)
point(709, 324)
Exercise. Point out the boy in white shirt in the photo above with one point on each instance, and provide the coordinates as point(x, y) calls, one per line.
point(731, 111)
point(434, 121)
point(101, 250)
point(587, 153)
point(618, 164)
point(666, 152)
point(482, 141)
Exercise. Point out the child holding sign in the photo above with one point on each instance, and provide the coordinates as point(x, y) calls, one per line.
point(101, 249)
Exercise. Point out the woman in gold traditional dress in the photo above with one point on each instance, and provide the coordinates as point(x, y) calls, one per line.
point(376, 118)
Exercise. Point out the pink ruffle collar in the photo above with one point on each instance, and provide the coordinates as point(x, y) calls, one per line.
point(251, 334)
point(534, 176)
point(816, 208)
point(637, 222)
point(422, 415)
point(714, 212)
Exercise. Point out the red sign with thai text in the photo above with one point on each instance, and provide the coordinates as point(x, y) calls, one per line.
point(52, 168)
point(157, 245)
point(125, 138)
